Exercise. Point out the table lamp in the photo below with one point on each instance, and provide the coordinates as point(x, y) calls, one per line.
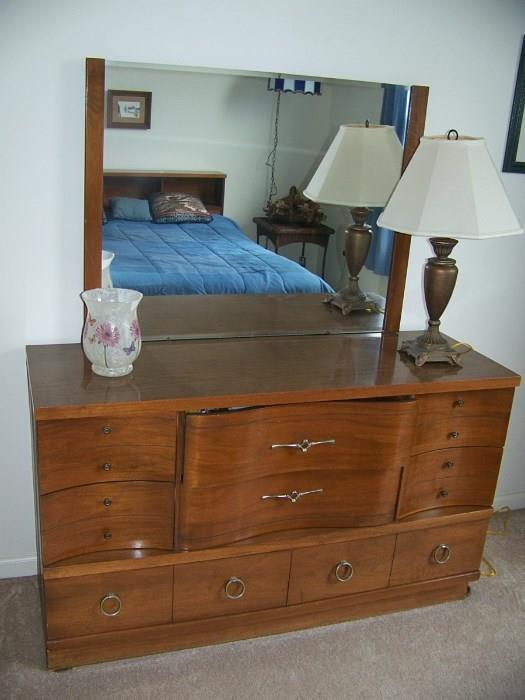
point(359, 170)
point(450, 189)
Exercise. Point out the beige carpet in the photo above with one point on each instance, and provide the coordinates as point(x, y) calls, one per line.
point(473, 649)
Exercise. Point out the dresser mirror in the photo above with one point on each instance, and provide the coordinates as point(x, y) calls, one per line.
point(236, 147)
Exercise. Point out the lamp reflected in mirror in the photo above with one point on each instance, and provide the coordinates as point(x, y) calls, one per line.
point(451, 189)
point(359, 170)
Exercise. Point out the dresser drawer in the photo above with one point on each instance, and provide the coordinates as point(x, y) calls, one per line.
point(108, 602)
point(57, 437)
point(99, 500)
point(470, 418)
point(58, 470)
point(438, 552)
point(334, 570)
point(100, 517)
point(461, 476)
point(222, 448)
point(230, 586)
point(318, 498)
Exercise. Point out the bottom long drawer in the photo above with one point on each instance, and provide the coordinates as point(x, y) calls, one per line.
point(340, 569)
point(108, 602)
point(229, 586)
point(438, 552)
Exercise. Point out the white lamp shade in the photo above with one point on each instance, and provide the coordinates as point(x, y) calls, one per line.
point(451, 187)
point(361, 167)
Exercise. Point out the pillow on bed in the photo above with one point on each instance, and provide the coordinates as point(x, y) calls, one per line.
point(130, 208)
point(177, 207)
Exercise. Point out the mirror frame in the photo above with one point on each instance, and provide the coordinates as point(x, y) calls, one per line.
point(94, 171)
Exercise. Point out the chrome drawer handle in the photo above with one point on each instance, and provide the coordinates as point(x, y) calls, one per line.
point(108, 535)
point(448, 465)
point(294, 496)
point(234, 584)
point(107, 466)
point(443, 493)
point(441, 554)
point(344, 571)
point(107, 502)
point(458, 403)
point(110, 597)
point(453, 435)
point(107, 430)
point(305, 445)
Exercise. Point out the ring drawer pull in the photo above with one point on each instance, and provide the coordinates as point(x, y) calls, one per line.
point(107, 466)
point(441, 554)
point(110, 597)
point(106, 430)
point(234, 588)
point(294, 496)
point(458, 403)
point(344, 571)
point(453, 435)
point(305, 445)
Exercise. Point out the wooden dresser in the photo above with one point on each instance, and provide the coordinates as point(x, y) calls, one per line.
point(235, 488)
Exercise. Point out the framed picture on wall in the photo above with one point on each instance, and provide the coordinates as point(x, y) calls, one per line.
point(128, 109)
point(514, 159)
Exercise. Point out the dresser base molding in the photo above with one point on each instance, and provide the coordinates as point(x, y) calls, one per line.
point(109, 646)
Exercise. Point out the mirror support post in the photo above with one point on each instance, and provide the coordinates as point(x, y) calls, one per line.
point(93, 171)
point(417, 112)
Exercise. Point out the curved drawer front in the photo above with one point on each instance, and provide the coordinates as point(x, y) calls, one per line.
point(107, 533)
point(320, 498)
point(102, 517)
point(101, 500)
point(438, 552)
point(261, 442)
point(462, 476)
point(108, 602)
point(340, 569)
point(105, 463)
point(496, 402)
point(464, 419)
point(58, 436)
point(230, 586)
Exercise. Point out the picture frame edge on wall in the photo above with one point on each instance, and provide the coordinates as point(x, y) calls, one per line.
point(516, 130)
point(128, 109)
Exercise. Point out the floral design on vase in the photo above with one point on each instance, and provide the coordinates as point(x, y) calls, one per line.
point(111, 337)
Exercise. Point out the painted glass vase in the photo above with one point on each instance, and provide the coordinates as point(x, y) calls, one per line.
point(111, 337)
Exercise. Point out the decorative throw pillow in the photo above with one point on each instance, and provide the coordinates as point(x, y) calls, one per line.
point(130, 208)
point(177, 207)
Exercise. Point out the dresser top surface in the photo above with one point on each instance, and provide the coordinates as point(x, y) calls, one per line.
point(197, 374)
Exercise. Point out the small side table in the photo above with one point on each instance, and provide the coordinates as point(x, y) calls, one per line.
point(284, 234)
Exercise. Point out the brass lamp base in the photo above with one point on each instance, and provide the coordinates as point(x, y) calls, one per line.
point(422, 351)
point(347, 300)
point(439, 281)
point(358, 238)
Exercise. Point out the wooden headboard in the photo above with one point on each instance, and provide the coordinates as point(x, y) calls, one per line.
point(207, 186)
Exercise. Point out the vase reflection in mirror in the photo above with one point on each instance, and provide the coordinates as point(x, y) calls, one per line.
point(359, 170)
point(107, 259)
point(111, 337)
point(450, 189)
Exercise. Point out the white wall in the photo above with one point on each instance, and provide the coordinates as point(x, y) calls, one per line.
point(466, 52)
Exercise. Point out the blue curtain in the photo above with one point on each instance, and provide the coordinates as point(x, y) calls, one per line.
point(394, 112)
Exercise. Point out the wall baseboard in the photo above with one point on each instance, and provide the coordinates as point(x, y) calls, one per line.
point(16, 568)
point(515, 501)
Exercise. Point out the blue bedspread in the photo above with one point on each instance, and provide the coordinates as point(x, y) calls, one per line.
point(214, 258)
